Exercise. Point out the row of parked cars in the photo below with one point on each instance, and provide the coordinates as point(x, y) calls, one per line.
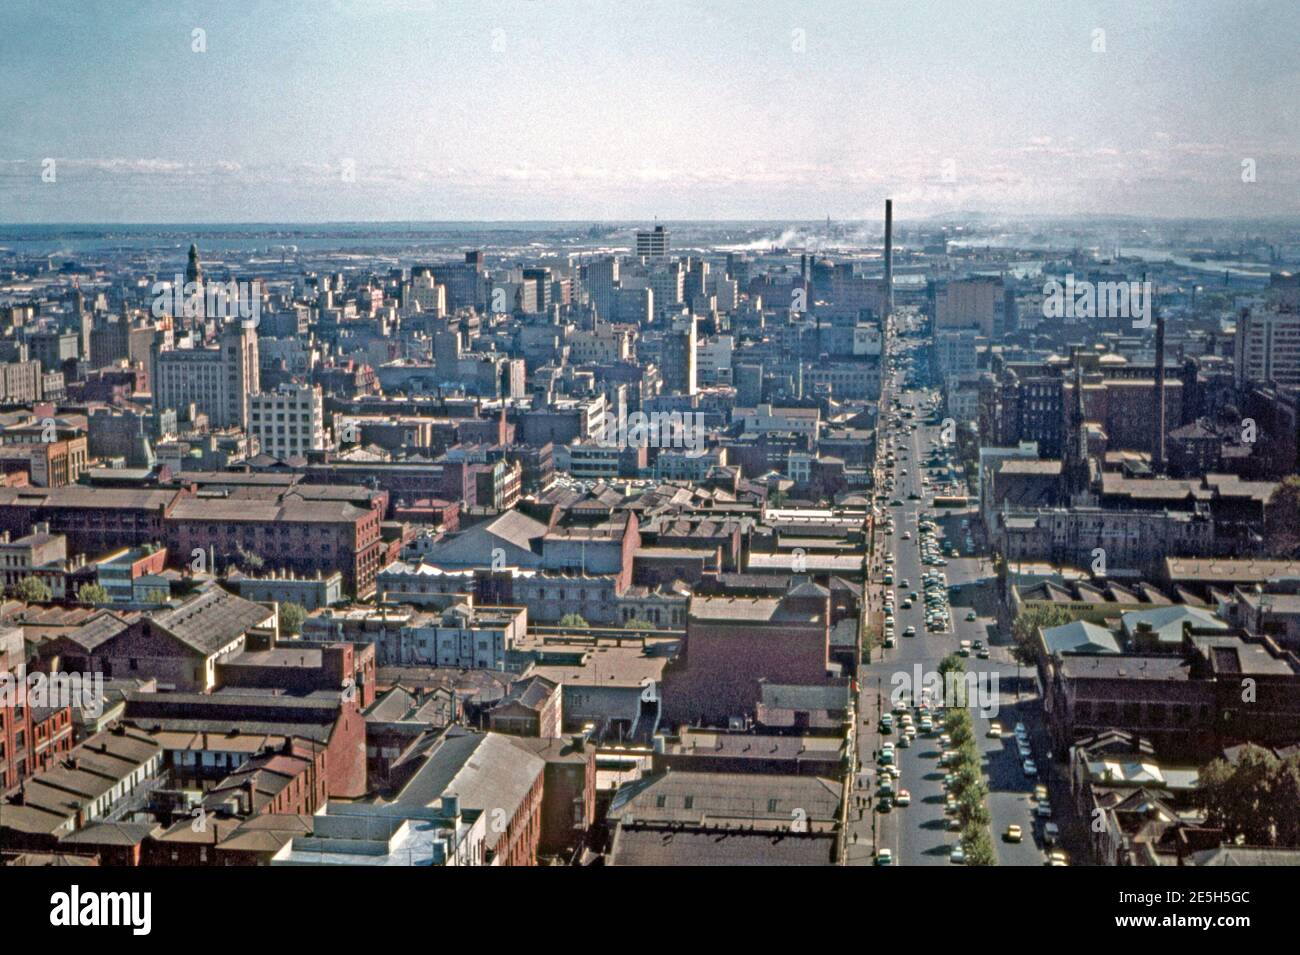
point(1041, 806)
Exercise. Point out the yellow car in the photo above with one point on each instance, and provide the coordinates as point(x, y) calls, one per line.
point(1013, 833)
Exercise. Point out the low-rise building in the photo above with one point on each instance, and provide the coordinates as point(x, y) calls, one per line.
point(710, 818)
point(310, 593)
point(463, 635)
point(179, 646)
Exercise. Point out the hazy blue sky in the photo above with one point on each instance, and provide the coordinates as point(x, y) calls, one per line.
point(574, 109)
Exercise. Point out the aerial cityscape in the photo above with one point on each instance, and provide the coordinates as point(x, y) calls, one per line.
point(494, 470)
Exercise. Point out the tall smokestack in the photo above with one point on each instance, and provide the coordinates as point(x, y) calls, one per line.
point(1158, 451)
point(889, 257)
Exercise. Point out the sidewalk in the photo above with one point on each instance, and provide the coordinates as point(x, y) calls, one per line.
point(861, 813)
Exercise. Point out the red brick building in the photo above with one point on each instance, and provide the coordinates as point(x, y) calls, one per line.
point(531, 707)
point(734, 642)
point(32, 738)
point(490, 773)
point(335, 723)
point(302, 536)
point(94, 520)
point(303, 666)
point(569, 792)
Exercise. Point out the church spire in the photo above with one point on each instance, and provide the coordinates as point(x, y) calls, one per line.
point(193, 270)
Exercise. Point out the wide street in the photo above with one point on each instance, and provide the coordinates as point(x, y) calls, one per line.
point(917, 834)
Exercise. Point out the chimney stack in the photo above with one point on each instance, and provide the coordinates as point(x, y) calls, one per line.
point(889, 257)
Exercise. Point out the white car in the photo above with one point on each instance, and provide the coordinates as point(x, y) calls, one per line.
point(1030, 768)
point(957, 856)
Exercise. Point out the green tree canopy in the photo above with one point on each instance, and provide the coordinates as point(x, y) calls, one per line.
point(1256, 799)
point(1027, 624)
point(92, 594)
point(952, 663)
point(573, 620)
point(32, 590)
point(978, 847)
point(1282, 519)
point(291, 618)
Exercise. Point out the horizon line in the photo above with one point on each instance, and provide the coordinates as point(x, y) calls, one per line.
point(937, 217)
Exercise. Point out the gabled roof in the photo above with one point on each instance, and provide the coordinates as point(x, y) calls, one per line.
point(101, 628)
point(1080, 637)
point(1167, 622)
point(212, 620)
point(485, 770)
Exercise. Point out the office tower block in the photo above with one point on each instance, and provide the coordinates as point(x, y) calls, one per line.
point(1267, 348)
point(1158, 445)
point(218, 381)
point(652, 245)
point(602, 280)
point(289, 421)
point(679, 358)
point(425, 290)
point(634, 306)
point(749, 385)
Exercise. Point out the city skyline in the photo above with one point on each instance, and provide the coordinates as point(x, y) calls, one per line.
point(592, 111)
point(577, 434)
